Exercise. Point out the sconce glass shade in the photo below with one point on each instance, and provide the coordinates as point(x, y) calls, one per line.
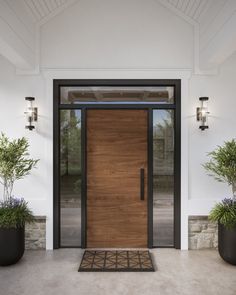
point(202, 113)
point(31, 113)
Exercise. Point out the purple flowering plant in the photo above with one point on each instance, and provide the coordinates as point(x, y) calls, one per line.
point(14, 213)
point(229, 202)
point(12, 202)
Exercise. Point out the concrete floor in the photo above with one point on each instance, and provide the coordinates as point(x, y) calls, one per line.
point(178, 272)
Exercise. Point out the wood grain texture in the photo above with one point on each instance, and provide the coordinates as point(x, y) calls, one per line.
point(116, 151)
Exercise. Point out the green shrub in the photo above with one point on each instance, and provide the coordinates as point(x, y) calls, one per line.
point(14, 213)
point(225, 213)
point(14, 162)
point(14, 165)
point(222, 166)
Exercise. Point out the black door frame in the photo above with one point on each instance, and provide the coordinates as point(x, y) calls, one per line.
point(149, 107)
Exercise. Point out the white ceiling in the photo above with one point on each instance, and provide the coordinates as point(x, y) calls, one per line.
point(208, 17)
point(39, 10)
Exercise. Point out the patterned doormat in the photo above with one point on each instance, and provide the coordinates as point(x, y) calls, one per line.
point(132, 260)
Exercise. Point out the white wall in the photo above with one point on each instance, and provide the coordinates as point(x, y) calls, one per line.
point(13, 90)
point(117, 34)
point(221, 89)
point(122, 38)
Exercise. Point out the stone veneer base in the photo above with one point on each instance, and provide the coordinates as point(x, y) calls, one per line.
point(202, 233)
point(35, 234)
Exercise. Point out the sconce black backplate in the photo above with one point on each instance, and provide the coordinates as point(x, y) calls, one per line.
point(30, 127)
point(203, 98)
point(203, 127)
point(29, 98)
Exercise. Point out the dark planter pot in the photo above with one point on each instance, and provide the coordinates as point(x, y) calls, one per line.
point(12, 245)
point(227, 243)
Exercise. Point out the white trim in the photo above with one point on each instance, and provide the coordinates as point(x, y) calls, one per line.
point(177, 12)
point(50, 73)
point(184, 162)
point(55, 12)
point(49, 161)
point(184, 75)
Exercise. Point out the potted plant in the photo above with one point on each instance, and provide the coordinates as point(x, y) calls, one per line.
point(14, 213)
point(222, 167)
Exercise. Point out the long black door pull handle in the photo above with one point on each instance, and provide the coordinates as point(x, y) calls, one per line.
point(142, 184)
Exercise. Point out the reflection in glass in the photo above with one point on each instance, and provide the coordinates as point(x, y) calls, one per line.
point(163, 177)
point(70, 177)
point(79, 94)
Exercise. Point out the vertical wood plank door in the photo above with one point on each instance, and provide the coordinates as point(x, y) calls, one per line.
point(117, 195)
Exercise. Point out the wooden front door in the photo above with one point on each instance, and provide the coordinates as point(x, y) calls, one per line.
point(117, 180)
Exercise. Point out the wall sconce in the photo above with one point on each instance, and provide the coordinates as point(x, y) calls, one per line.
point(31, 113)
point(202, 113)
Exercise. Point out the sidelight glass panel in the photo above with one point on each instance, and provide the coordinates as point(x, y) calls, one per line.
point(163, 178)
point(70, 177)
point(156, 94)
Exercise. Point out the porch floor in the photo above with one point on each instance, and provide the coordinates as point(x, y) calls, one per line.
point(178, 272)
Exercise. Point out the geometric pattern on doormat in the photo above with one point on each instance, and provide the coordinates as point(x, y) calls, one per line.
point(131, 260)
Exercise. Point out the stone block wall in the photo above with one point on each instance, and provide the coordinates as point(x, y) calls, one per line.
point(35, 234)
point(203, 234)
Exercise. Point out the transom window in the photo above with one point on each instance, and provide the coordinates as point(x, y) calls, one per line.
point(158, 94)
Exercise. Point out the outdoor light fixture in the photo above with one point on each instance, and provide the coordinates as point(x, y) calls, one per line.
point(31, 113)
point(202, 113)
